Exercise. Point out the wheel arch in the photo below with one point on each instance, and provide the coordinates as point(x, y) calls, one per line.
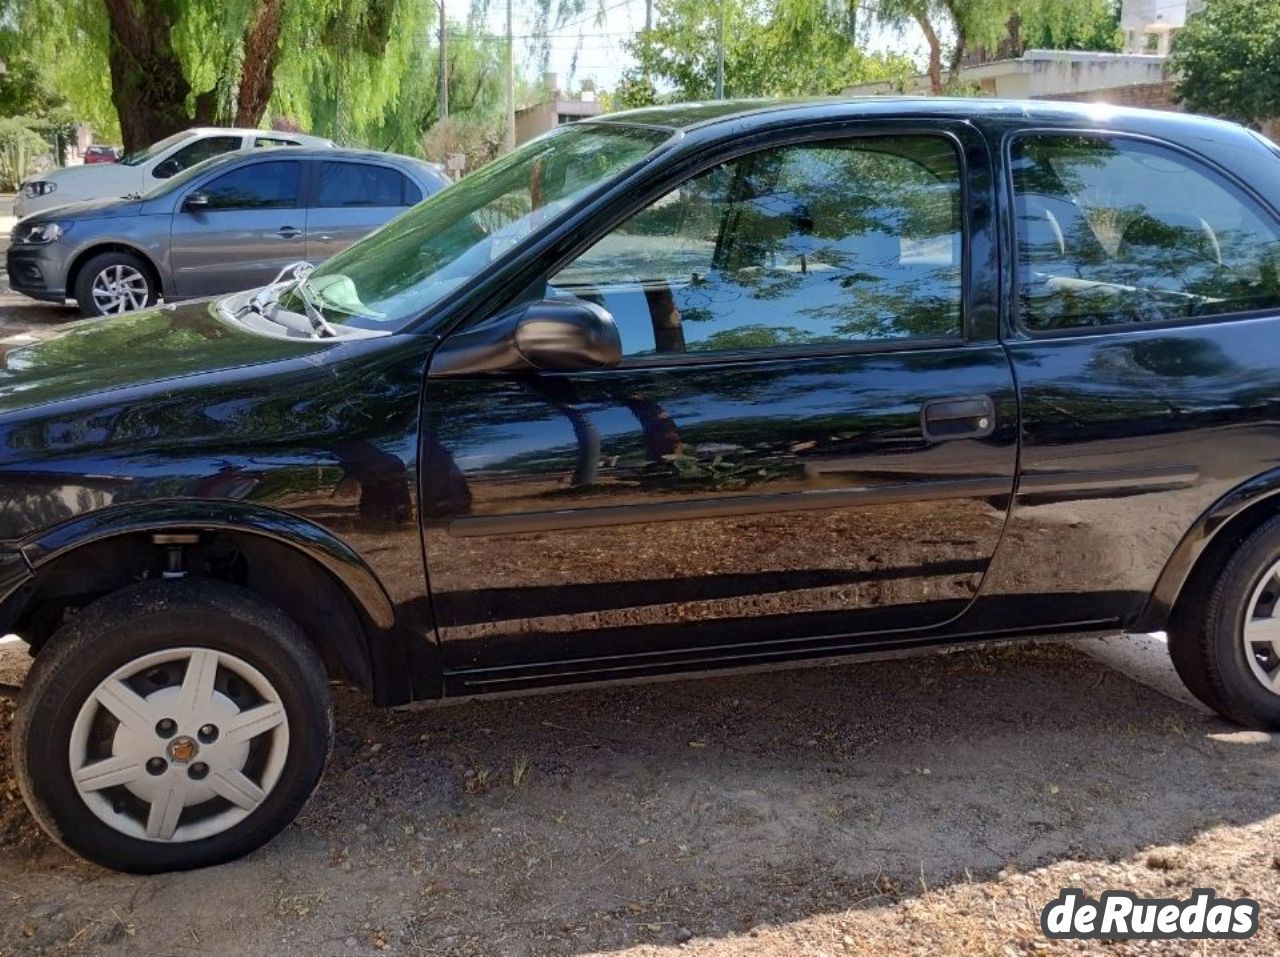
point(1220, 529)
point(109, 246)
point(317, 579)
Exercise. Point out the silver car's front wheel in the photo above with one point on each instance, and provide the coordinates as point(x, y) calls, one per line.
point(179, 745)
point(171, 725)
point(119, 288)
point(114, 282)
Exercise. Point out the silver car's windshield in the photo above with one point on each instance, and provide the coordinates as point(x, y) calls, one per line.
point(409, 265)
point(139, 157)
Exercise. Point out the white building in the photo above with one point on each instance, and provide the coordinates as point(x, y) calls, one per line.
point(1149, 25)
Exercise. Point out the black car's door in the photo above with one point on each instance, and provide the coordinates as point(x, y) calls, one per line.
point(811, 439)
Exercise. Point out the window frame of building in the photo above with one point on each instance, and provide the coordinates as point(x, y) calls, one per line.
point(1197, 162)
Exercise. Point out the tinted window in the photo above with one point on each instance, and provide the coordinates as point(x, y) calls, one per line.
point(363, 184)
point(198, 152)
point(833, 242)
point(271, 141)
point(1116, 231)
point(256, 186)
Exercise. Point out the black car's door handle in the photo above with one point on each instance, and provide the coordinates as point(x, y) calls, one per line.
point(288, 232)
point(960, 417)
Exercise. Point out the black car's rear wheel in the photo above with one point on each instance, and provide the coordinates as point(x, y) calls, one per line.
point(1227, 650)
point(172, 725)
point(114, 282)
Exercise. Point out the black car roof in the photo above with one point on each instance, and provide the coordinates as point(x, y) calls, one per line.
point(746, 113)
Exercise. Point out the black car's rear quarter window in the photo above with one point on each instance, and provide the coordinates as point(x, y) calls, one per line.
point(1113, 231)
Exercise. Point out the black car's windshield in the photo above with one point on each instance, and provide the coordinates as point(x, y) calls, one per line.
point(139, 157)
point(410, 264)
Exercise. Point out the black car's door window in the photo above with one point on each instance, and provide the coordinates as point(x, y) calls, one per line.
point(272, 185)
point(814, 244)
point(1113, 231)
point(363, 184)
point(197, 152)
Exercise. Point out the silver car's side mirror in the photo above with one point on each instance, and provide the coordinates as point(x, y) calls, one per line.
point(196, 200)
point(553, 335)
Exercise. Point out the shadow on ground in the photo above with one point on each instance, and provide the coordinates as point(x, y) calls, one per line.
point(602, 819)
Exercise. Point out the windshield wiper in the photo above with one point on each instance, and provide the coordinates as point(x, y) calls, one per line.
point(268, 298)
point(319, 325)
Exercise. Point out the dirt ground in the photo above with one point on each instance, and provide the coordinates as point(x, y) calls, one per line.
point(922, 806)
point(930, 805)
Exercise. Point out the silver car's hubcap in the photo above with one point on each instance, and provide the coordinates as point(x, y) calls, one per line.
point(119, 289)
point(1262, 631)
point(179, 745)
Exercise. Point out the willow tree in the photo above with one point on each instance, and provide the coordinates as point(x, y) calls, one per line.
point(771, 48)
point(159, 66)
point(954, 28)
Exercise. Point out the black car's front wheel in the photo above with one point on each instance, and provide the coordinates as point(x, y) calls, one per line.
point(172, 725)
point(114, 282)
point(1227, 649)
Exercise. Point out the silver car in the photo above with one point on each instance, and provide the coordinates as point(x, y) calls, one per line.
point(229, 223)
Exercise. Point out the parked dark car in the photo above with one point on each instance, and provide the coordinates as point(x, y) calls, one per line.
point(101, 154)
point(731, 385)
point(229, 223)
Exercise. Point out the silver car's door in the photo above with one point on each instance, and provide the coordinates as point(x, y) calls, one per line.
point(239, 229)
point(351, 200)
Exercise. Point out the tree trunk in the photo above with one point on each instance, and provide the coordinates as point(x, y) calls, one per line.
point(148, 87)
point(961, 47)
point(261, 53)
point(935, 53)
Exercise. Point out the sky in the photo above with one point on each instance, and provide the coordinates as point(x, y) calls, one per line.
point(598, 44)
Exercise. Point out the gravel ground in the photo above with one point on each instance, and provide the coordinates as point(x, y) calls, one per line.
point(923, 806)
point(929, 805)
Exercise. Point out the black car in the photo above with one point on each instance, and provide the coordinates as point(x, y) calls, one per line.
point(730, 385)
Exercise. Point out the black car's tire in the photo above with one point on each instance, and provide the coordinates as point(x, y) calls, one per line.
point(133, 278)
point(1208, 644)
point(259, 712)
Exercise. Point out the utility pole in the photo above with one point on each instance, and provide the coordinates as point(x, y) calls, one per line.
point(443, 99)
point(720, 54)
point(509, 136)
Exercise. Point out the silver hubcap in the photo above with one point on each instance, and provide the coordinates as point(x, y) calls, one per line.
point(179, 745)
point(119, 289)
point(1262, 631)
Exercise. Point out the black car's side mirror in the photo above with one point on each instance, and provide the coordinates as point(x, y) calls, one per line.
point(548, 336)
point(196, 200)
point(166, 169)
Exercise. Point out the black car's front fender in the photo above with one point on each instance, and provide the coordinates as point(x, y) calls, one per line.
point(318, 544)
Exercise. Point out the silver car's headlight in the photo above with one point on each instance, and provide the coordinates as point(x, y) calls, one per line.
point(38, 187)
point(38, 234)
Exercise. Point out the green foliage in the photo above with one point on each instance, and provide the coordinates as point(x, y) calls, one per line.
point(477, 137)
point(1228, 60)
point(21, 150)
point(1083, 25)
point(782, 48)
point(63, 43)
